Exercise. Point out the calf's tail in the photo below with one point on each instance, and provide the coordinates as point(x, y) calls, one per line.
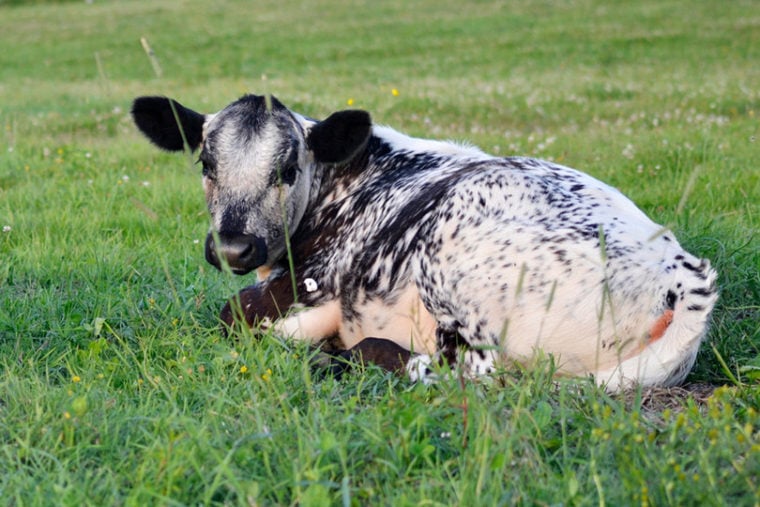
point(675, 337)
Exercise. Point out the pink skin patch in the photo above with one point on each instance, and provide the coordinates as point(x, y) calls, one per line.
point(660, 326)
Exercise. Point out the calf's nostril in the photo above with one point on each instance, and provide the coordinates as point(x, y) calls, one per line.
point(247, 250)
point(210, 252)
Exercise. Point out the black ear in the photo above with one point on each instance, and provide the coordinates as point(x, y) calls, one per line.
point(155, 118)
point(341, 136)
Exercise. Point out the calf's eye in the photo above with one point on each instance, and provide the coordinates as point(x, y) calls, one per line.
point(208, 167)
point(288, 174)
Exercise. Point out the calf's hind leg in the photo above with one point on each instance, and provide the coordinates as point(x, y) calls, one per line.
point(454, 351)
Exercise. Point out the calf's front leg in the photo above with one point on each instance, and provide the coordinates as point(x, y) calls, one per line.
point(272, 305)
point(266, 305)
point(259, 305)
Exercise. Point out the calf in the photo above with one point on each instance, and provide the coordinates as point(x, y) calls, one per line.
point(440, 253)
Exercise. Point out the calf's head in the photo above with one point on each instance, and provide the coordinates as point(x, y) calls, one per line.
point(259, 164)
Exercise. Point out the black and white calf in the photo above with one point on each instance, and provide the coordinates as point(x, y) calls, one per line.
point(403, 244)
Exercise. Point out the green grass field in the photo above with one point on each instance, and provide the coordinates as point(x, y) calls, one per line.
point(117, 386)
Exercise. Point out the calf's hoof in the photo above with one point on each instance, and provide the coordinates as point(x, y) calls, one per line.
point(384, 353)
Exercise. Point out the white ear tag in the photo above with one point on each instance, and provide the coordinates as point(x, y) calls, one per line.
point(310, 284)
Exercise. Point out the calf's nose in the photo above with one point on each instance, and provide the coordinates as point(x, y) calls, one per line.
point(242, 252)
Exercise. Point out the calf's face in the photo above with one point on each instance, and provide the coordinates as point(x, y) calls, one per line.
point(259, 163)
point(257, 175)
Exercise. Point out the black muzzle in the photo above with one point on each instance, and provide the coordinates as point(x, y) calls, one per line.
point(241, 252)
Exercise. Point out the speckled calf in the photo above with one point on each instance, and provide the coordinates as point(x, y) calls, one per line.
point(462, 258)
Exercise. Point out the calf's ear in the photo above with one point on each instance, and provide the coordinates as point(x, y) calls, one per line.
point(156, 118)
point(340, 137)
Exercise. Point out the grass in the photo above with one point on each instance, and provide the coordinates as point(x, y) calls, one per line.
point(117, 387)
